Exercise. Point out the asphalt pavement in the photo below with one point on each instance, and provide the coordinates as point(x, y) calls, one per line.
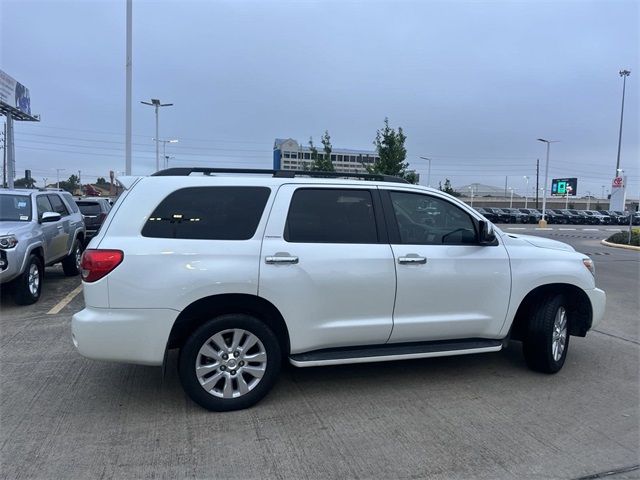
point(479, 416)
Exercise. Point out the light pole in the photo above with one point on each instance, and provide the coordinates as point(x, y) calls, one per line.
point(164, 149)
point(58, 170)
point(128, 83)
point(526, 192)
point(602, 196)
point(511, 200)
point(471, 189)
point(543, 220)
point(44, 179)
point(624, 74)
point(155, 103)
point(428, 171)
point(588, 200)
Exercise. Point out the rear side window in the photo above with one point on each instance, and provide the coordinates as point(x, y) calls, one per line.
point(331, 216)
point(58, 205)
point(208, 213)
point(71, 202)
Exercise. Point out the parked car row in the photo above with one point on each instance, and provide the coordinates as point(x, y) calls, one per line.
point(558, 216)
point(40, 228)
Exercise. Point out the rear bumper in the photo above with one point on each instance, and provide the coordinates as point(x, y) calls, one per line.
point(123, 335)
point(598, 302)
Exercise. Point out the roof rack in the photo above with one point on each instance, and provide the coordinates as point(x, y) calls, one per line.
point(186, 171)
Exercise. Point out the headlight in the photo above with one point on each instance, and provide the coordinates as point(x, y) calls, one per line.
point(590, 265)
point(8, 241)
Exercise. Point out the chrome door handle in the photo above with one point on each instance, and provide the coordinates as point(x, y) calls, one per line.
point(275, 259)
point(412, 259)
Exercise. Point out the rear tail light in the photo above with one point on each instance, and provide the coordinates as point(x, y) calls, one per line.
point(96, 264)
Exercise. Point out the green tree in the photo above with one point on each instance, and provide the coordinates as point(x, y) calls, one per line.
point(411, 177)
point(71, 185)
point(448, 188)
point(320, 162)
point(391, 152)
point(101, 181)
point(24, 183)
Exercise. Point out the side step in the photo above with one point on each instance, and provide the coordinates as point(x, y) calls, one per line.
point(394, 351)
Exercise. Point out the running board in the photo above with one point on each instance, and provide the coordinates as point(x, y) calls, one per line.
point(394, 351)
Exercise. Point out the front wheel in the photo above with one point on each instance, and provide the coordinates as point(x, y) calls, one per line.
point(229, 363)
point(547, 340)
point(28, 286)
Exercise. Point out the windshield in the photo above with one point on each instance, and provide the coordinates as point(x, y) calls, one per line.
point(15, 208)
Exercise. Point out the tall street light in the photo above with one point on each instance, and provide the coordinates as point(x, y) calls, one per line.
point(156, 104)
point(164, 149)
point(526, 192)
point(58, 170)
point(428, 171)
point(511, 201)
point(543, 220)
point(624, 74)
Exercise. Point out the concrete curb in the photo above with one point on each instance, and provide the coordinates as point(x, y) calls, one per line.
point(619, 245)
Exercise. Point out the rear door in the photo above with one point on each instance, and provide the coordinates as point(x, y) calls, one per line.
point(449, 286)
point(326, 264)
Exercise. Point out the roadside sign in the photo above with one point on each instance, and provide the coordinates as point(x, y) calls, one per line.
point(564, 187)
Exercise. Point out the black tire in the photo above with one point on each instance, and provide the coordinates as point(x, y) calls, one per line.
point(22, 291)
point(189, 354)
point(70, 263)
point(538, 344)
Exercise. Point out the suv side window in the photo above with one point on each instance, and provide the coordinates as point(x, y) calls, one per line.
point(208, 213)
point(43, 204)
point(426, 220)
point(58, 205)
point(325, 215)
point(71, 203)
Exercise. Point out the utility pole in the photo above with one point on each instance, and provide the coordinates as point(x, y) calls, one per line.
point(156, 104)
point(543, 220)
point(58, 170)
point(537, 180)
point(506, 180)
point(4, 157)
point(129, 75)
point(44, 180)
point(428, 171)
point(624, 74)
point(526, 192)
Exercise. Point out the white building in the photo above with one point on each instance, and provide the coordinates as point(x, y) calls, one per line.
point(288, 154)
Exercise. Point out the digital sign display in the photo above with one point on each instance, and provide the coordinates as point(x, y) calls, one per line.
point(564, 187)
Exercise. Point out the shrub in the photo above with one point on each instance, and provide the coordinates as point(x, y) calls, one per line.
point(623, 238)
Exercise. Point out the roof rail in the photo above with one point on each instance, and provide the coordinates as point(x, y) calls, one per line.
point(186, 171)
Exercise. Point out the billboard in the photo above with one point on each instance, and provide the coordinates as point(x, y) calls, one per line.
point(14, 94)
point(561, 187)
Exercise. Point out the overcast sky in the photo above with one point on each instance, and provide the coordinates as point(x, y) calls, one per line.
point(473, 84)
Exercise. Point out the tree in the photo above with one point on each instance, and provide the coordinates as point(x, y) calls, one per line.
point(411, 177)
point(24, 183)
point(448, 188)
point(321, 163)
point(391, 153)
point(101, 181)
point(71, 185)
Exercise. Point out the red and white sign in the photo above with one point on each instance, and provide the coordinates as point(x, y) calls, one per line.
point(618, 182)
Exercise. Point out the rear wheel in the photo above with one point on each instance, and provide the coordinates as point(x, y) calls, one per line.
point(547, 341)
point(229, 363)
point(28, 286)
point(71, 263)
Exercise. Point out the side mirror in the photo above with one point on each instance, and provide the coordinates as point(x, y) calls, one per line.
point(48, 217)
point(487, 235)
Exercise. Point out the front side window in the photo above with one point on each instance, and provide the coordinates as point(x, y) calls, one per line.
point(208, 213)
point(331, 216)
point(426, 220)
point(43, 204)
point(15, 208)
point(58, 205)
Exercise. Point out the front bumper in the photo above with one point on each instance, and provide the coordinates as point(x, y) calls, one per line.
point(12, 264)
point(598, 301)
point(123, 335)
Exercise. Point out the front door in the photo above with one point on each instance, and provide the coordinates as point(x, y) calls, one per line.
point(54, 241)
point(327, 266)
point(65, 237)
point(449, 286)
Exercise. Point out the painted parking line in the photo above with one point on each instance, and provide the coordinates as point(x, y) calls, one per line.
point(544, 228)
point(65, 301)
point(567, 229)
point(516, 228)
point(614, 229)
point(590, 229)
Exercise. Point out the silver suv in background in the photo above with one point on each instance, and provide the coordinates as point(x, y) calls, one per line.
point(37, 229)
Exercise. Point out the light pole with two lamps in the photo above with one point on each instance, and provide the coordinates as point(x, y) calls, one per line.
point(543, 220)
point(155, 103)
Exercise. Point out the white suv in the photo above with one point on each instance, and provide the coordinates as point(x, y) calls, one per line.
point(240, 270)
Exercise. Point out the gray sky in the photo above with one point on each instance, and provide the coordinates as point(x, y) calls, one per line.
point(473, 84)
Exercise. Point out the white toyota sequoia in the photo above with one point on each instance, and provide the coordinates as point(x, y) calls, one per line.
point(244, 269)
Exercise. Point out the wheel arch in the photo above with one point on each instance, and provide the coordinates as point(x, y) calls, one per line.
point(207, 308)
point(579, 305)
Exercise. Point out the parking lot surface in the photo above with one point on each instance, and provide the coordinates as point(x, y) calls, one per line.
point(479, 416)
